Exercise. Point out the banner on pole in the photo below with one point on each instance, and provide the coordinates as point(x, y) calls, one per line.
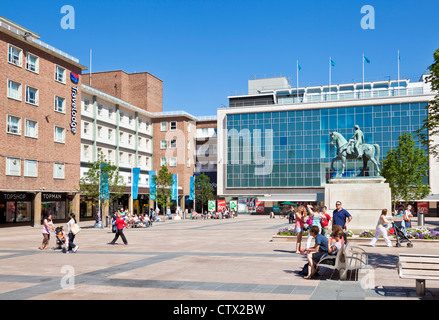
point(135, 182)
point(104, 188)
point(192, 189)
point(174, 187)
point(152, 186)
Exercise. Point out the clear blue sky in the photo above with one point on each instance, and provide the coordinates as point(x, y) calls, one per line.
point(206, 50)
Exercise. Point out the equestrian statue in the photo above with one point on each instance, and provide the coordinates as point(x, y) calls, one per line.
point(355, 149)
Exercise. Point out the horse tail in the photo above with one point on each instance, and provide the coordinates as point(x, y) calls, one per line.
point(377, 152)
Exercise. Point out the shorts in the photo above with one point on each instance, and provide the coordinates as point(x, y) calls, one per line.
point(298, 229)
point(317, 256)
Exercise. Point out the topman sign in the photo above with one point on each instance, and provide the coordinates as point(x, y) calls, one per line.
point(73, 120)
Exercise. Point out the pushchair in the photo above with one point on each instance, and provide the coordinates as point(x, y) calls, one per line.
point(400, 237)
point(61, 240)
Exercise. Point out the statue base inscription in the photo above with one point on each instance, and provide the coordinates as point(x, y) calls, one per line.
point(363, 198)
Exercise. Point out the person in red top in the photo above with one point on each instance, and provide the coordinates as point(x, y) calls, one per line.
point(325, 221)
point(120, 223)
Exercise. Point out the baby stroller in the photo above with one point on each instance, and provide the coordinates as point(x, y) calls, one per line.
point(60, 238)
point(400, 237)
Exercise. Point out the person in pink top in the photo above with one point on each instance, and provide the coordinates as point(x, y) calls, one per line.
point(47, 227)
point(300, 224)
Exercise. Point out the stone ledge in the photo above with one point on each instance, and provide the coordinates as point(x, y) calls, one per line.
point(276, 238)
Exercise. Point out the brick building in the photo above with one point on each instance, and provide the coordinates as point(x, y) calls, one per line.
point(41, 148)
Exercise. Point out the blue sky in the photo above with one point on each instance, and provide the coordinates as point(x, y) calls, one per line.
point(206, 50)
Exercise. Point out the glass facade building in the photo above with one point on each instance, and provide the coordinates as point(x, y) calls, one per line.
point(296, 143)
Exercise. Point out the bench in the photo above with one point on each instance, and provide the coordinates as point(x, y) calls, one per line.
point(419, 267)
point(348, 258)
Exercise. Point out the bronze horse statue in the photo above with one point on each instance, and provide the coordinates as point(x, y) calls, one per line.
point(346, 151)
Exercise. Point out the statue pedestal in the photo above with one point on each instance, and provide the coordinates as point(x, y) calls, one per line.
point(362, 197)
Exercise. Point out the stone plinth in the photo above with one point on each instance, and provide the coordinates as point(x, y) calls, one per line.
point(363, 198)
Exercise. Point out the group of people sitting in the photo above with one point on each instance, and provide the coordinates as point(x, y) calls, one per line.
point(224, 214)
point(136, 220)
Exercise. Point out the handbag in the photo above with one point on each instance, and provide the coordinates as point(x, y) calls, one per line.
point(75, 229)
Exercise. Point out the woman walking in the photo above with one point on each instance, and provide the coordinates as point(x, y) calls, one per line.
point(406, 219)
point(120, 223)
point(381, 229)
point(47, 227)
point(73, 247)
point(300, 224)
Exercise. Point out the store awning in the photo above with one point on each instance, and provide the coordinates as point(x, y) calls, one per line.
point(431, 198)
point(308, 197)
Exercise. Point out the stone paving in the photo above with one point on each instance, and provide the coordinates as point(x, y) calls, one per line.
point(232, 259)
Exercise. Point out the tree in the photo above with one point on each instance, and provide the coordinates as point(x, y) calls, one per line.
point(405, 169)
point(90, 183)
point(430, 127)
point(203, 190)
point(163, 182)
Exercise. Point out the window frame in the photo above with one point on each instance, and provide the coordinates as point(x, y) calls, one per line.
point(63, 106)
point(63, 170)
point(9, 126)
point(26, 174)
point(63, 81)
point(63, 134)
point(20, 94)
point(26, 129)
point(8, 166)
point(37, 62)
point(20, 56)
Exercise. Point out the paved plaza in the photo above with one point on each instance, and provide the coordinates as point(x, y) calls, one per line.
point(232, 259)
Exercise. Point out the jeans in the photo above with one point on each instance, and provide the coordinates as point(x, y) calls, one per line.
point(119, 232)
point(404, 226)
point(71, 244)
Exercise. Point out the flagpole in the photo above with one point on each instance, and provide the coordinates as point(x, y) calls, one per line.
point(297, 90)
point(363, 77)
point(329, 91)
point(398, 72)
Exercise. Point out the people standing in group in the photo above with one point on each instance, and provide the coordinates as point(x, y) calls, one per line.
point(341, 216)
point(291, 215)
point(381, 229)
point(47, 228)
point(120, 224)
point(406, 219)
point(300, 224)
point(315, 254)
point(72, 247)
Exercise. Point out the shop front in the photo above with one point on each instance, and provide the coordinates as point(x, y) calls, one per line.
point(16, 207)
point(54, 204)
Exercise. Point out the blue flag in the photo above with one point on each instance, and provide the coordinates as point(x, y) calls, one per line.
point(104, 189)
point(299, 67)
point(332, 62)
point(366, 60)
point(192, 188)
point(135, 182)
point(152, 186)
point(174, 187)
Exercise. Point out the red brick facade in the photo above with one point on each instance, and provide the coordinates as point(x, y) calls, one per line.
point(142, 89)
point(43, 148)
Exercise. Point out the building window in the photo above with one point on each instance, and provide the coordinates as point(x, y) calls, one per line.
point(14, 125)
point(14, 56)
point(130, 159)
point(32, 63)
point(86, 104)
point(173, 125)
point(164, 126)
point(31, 129)
point(99, 131)
point(86, 124)
point(14, 90)
point(60, 104)
point(60, 74)
point(130, 139)
point(121, 137)
point(110, 113)
point(58, 170)
point(188, 162)
point(110, 134)
point(121, 117)
point(121, 157)
point(100, 109)
point(173, 162)
point(85, 151)
point(13, 166)
point(31, 95)
point(110, 155)
point(188, 144)
point(205, 166)
point(163, 144)
point(173, 143)
point(30, 168)
point(60, 134)
point(163, 162)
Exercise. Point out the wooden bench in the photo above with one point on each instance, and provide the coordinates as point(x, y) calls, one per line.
point(348, 258)
point(420, 267)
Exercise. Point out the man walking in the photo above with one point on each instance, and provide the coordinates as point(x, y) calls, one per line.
point(340, 216)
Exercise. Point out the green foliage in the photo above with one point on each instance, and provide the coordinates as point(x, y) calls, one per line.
point(405, 169)
point(430, 127)
point(163, 181)
point(89, 184)
point(203, 190)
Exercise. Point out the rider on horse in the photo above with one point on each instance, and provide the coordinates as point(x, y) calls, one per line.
point(355, 144)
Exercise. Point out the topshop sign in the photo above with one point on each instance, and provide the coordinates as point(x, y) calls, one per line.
point(73, 120)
